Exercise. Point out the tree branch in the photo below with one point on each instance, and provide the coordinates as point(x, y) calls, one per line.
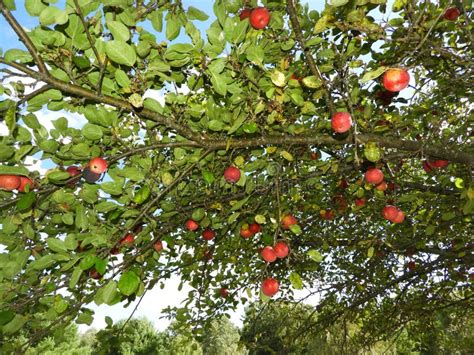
point(23, 36)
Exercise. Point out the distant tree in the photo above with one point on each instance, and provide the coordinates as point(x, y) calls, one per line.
point(222, 338)
point(137, 337)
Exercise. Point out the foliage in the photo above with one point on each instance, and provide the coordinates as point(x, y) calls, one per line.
point(170, 107)
point(222, 337)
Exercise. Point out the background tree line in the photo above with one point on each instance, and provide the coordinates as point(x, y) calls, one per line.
point(268, 328)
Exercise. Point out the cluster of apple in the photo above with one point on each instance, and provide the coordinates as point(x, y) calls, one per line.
point(258, 17)
point(394, 80)
point(375, 177)
point(429, 165)
point(15, 182)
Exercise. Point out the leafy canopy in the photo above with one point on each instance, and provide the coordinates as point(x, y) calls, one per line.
point(170, 107)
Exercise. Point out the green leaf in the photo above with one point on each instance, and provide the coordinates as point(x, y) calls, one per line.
point(286, 155)
point(278, 78)
point(53, 15)
point(128, 283)
point(132, 173)
point(216, 125)
point(18, 55)
point(173, 26)
point(107, 293)
point(34, 7)
point(15, 324)
point(198, 214)
point(56, 245)
point(312, 82)
point(295, 229)
point(141, 195)
point(6, 316)
point(92, 132)
point(57, 176)
point(43, 262)
point(208, 177)
point(315, 255)
point(87, 262)
point(337, 3)
point(239, 204)
point(296, 281)
point(118, 30)
point(120, 52)
point(371, 75)
point(196, 14)
point(370, 252)
point(75, 276)
point(25, 202)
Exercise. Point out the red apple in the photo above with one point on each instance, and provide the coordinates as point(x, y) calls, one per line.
point(328, 214)
point(254, 228)
point(359, 202)
point(208, 234)
point(341, 122)
point(343, 184)
point(452, 14)
point(127, 241)
point(224, 292)
point(390, 212)
point(439, 163)
point(259, 18)
point(382, 186)
point(94, 274)
point(396, 79)
point(158, 246)
point(232, 174)
point(98, 165)
point(245, 232)
point(374, 176)
point(411, 266)
point(288, 221)
point(270, 287)
point(427, 166)
point(9, 182)
point(114, 251)
point(399, 218)
point(191, 225)
point(268, 254)
point(315, 156)
point(25, 181)
point(245, 13)
point(73, 170)
point(281, 249)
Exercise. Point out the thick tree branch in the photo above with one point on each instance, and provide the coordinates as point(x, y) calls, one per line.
point(23, 36)
point(105, 99)
point(309, 58)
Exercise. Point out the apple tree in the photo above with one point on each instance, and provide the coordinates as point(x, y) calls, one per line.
point(282, 151)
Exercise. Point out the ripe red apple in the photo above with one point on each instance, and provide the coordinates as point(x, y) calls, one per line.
point(224, 292)
point(439, 163)
point(255, 228)
point(341, 122)
point(127, 241)
point(328, 215)
point(90, 176)
point(382, 186)
point(98, 165)
point(245, 232)
point(191, 225)
point(232, 174)
point(452, 14)
point(94, 274)
point(270, 287)
point(374, 176)
point(390, 212)
point(208, 234)
point(396, 79)
point(359, 202)
point(411, 266)
point(9, 182)
point(259, 18)
point(25, 181)
point(399, 218)
point(315, 155)
point(343, 184)
point(427, 166)
point(245, 13)
point(268, 254)
point(158, 246)
point(281, 249)
point(73, 170)
point(288, 221)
